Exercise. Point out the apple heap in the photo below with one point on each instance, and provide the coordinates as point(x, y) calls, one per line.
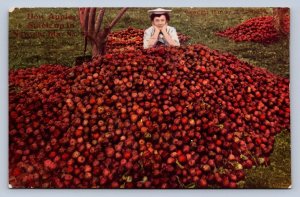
point(259, 29)
point(174, 117)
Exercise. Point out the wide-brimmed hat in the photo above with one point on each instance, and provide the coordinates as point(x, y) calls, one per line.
point(159, 11)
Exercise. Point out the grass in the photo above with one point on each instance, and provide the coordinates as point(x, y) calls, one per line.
point(276, 175)
point(199, 24)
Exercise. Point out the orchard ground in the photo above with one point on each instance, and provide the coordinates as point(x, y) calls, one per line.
point(66, 43)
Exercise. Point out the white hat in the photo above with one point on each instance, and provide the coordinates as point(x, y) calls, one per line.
point(159, 11)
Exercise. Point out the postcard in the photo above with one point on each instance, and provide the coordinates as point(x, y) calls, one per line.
point(149, 98)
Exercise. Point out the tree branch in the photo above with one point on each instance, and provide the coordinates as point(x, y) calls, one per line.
point(81, 17)
point(114, 22)
point(86, 20)
point(91, 26)
point(99, 20)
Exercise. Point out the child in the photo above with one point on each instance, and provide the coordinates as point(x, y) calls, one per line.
point(160, 33)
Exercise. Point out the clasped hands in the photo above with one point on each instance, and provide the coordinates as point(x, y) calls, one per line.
point(162, 29)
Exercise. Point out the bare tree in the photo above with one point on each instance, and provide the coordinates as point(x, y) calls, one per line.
point(94, 33)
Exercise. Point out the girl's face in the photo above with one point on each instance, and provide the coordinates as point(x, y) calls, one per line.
point(159, 21)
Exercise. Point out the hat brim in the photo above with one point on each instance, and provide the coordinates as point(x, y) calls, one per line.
point(156, 11)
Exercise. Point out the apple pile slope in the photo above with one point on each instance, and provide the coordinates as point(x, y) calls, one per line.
point(174, 117)
point(259, 29)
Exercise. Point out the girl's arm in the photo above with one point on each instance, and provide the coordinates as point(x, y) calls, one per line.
point(171, 38)
point(150, 41)
point(154, 38)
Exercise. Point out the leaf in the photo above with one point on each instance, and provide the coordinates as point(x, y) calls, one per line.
point(243, 157)
point(179, 182)
point(191, 186)
point(179, 164)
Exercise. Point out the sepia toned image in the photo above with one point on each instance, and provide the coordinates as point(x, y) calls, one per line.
point(149, 98)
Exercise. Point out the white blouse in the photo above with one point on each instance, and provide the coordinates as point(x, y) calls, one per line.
point(148, 33)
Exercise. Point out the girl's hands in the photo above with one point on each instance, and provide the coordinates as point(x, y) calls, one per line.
point(156, 28)
point(164, 28)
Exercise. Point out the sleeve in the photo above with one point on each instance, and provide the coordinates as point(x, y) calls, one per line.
point(147, 36)
point(174, 36)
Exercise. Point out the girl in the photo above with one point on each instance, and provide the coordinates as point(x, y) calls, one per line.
point(160, 33)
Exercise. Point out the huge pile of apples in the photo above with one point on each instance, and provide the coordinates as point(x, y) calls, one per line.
point(259, 29)
point(174, 117)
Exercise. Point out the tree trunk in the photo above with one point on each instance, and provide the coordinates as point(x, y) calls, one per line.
point(279, 19)
point(91, 24)
point(98, 48)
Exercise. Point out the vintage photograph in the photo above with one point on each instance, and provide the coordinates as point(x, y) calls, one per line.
point(149, 98)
